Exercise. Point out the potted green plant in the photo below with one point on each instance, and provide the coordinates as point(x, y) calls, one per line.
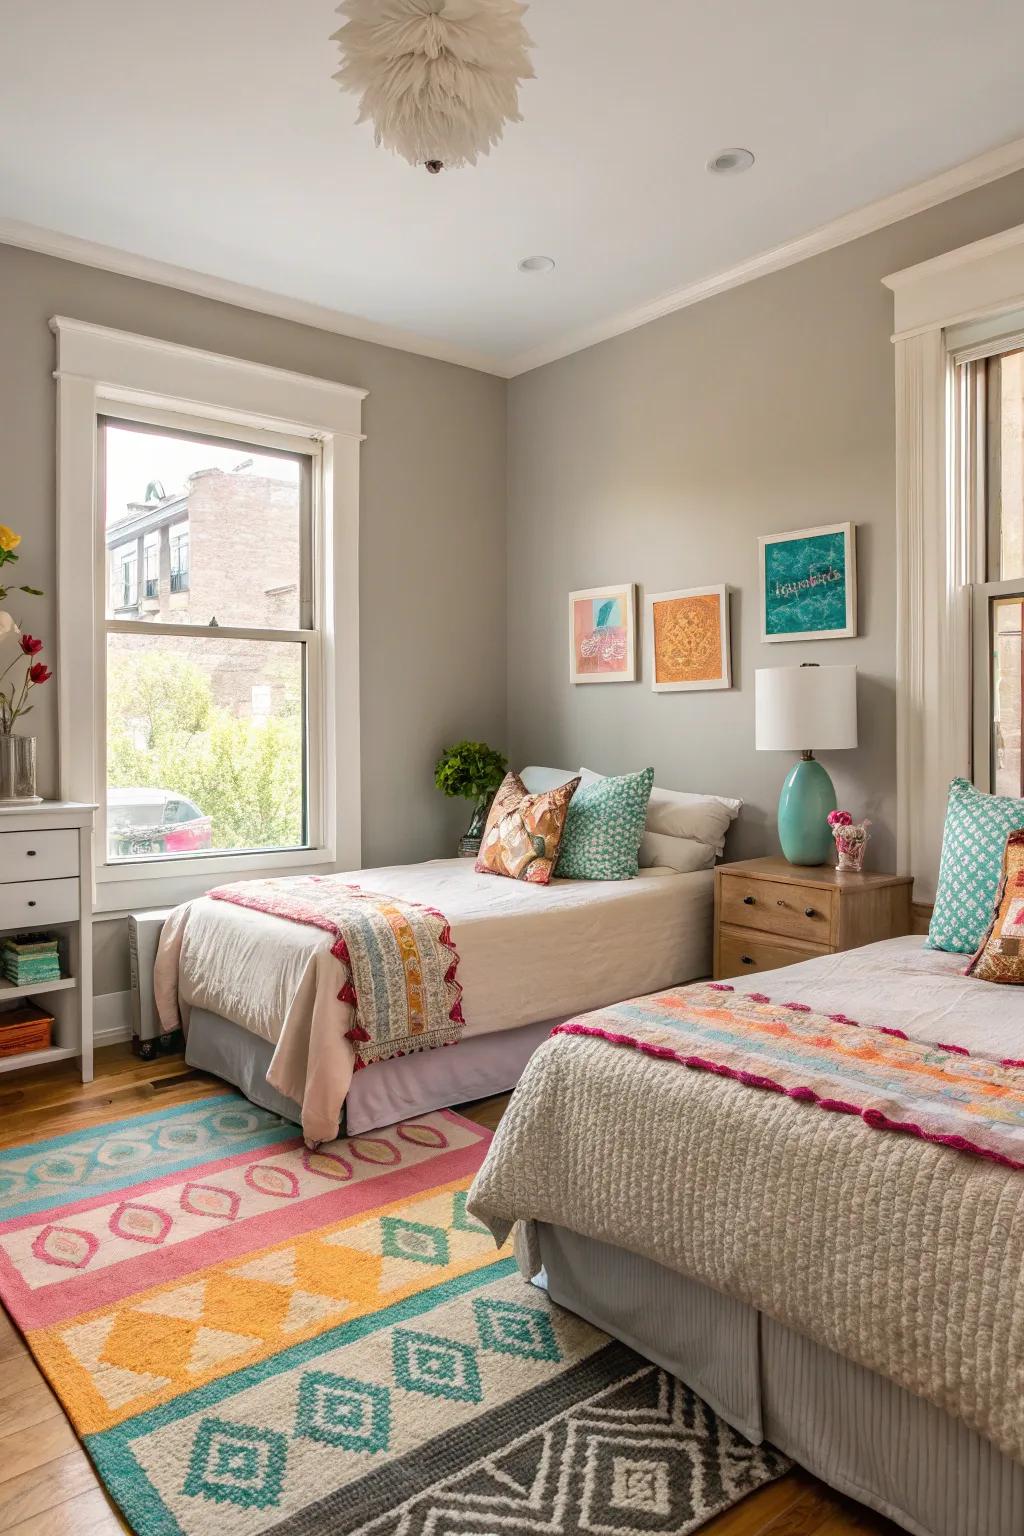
point(473, 770)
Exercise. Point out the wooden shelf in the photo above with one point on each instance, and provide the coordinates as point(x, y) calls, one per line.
point(37, 1058)
point(9, 990)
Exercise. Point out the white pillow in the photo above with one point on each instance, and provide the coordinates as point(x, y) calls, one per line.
point(675, 813)
point(684, 854)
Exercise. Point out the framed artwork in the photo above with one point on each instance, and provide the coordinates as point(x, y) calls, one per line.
point(809, 584)
point(688, 637)
point(602, 635)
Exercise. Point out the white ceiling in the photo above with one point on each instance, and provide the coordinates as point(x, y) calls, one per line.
point(209, 134)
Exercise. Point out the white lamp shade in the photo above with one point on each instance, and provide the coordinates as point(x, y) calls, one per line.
point(799, 709)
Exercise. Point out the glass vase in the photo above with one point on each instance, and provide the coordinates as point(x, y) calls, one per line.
point(851, 854)
point(469, 842)
point(18, 770)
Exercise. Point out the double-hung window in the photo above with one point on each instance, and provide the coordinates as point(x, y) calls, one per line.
point(988, 466)
point(209, 644)
point(181, 675)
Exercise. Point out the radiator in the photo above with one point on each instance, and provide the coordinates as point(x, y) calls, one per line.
point(143, 936)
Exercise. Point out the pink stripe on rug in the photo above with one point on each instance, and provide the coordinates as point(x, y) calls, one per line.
point(83, 1292)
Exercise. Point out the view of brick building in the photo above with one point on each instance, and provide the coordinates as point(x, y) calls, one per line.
point(222, 552)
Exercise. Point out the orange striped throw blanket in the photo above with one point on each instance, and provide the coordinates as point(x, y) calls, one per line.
point(401, 961)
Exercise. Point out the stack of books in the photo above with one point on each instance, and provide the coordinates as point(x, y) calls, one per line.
point(29, 959)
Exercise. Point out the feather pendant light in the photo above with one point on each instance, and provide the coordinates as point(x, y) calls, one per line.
point(439, 79)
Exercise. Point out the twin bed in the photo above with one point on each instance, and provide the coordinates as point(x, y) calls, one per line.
point(839, 1270)
point(259, 996)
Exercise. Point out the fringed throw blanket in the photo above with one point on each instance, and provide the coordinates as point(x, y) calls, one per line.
point(890, 1229)
point(940, 1093)
point(401, 961)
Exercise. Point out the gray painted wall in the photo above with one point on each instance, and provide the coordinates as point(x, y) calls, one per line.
point(432, 532)
point(660, 456)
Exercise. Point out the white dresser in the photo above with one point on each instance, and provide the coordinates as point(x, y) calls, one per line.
point(46, 882)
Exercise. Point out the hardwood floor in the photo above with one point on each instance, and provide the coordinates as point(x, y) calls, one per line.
point(47, 1484)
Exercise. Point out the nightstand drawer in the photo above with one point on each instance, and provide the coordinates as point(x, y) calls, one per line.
point(26, 903)
point(38, 855)
point(741, 953)
point(776, 906)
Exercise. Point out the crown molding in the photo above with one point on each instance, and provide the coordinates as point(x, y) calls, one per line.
point(990, 166)
point(107, 258)
point(985, 168)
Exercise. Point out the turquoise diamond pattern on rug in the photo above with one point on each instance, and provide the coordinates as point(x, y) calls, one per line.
point(509, 1329)
point(237, 1464)
point(412, 1240)
point(339, 1411)
point(461, 1219)
point(977, 826)
point(439, 1367)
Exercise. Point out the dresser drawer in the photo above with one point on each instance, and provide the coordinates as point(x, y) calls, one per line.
point(27, 903)
point(38, 855)
point(741, 953)
point(776, 906)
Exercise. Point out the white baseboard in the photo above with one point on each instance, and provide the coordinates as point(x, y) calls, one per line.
point(111, 1018)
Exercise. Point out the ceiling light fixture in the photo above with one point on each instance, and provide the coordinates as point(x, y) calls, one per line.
point(536, 264)
point(439, 79)
point(728, 161)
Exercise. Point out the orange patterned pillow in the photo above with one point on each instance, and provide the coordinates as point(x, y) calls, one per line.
point(524, 832)
point(1001, 955)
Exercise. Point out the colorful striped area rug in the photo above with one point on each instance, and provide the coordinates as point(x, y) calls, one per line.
point(250, 1336)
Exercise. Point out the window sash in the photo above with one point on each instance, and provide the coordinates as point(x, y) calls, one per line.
point(308, 636)
point(984, 597)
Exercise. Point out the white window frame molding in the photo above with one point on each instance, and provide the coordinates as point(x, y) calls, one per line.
point(937, 542)
point(98, 368)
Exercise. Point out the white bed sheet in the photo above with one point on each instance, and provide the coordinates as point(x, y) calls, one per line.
point(526, 953)
point(902, 985)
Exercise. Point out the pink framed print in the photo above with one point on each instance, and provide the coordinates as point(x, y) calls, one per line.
point(602, 634)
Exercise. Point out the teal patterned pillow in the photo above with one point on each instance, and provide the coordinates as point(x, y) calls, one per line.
point(977, 826)
point(604, 827)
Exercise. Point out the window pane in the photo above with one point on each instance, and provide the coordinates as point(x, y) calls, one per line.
point(216, 528)
point(1007, 461)
point(204, 745)
point(1007, 679)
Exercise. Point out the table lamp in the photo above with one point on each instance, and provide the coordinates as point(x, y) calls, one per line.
point(795, 708)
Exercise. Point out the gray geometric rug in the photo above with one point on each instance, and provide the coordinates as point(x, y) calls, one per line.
point(614, 1446)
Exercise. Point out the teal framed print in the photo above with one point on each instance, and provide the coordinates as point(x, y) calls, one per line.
point(809, 584)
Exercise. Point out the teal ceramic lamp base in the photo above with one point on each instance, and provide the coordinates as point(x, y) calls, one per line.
point(807, 797)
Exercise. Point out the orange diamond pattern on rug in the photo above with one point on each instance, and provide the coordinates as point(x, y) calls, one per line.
point(150, 1346)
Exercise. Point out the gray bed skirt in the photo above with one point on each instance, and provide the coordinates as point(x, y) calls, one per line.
point(854, 1429)
point(383, 1094)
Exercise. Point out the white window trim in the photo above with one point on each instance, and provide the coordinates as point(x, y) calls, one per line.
point(98, 368)
point(937, 544)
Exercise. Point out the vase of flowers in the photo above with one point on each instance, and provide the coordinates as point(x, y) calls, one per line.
point(473, 770)
point(19, 679)
point(851, 839)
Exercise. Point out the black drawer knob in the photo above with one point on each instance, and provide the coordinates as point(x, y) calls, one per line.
point(30, 853)
point(748, 901)
point(809, 912)
point(31, 903)
point(746, 959)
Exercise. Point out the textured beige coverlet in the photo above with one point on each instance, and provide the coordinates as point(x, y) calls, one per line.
point(904, 1257)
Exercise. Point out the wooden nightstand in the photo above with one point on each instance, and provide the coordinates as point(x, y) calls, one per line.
point(769, 912)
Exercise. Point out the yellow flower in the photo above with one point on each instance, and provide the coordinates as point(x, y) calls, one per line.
point(8, 538)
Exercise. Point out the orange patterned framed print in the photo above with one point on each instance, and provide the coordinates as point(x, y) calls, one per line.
point(602, 635)
point(688, 637)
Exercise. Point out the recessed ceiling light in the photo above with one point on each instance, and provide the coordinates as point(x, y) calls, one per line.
point(536, 264)
point(728, 161)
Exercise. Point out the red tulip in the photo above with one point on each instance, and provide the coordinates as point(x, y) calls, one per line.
point(39, 672)
point(30, 645)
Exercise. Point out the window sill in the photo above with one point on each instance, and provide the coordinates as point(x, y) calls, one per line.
point(167, 883)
